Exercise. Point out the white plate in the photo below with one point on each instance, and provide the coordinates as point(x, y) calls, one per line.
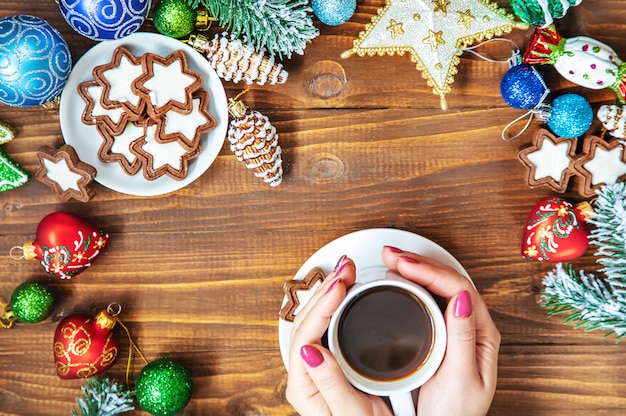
point(86, 139)
point(365, 248)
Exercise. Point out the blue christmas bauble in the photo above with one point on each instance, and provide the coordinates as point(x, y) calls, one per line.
point(35, 61)
point(105, 19)
point(523, 87)
point(333, 12)
point(570, 116)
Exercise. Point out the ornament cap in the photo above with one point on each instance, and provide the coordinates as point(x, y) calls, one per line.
point(105, 321)
point(237, 108)
point(585, 209)
point(28, 249)
point(199, 42)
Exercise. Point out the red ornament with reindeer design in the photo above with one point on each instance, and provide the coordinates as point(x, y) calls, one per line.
point(65, 244)
point(85, 346)
point(555, 230)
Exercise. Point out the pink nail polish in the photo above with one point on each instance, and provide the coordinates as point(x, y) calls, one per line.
point(339, 262)
point(408, 259)
point(332, 285)
point(340, 269)
point(394, 249)
point(463, 305)
point(311, 355)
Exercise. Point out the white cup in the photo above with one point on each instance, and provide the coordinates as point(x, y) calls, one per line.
point(416, 367)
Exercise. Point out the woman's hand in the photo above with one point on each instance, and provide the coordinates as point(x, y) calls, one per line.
point(466, 380)
point(316, 384)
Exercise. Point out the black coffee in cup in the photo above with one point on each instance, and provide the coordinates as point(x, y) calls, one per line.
point(385, 333)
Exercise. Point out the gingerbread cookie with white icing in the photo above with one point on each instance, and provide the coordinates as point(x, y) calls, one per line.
point(65, 174)
point(117, 147)
point(94, 113)
point(601, 163)
point(549, 161)
point(117, 78)
point(167, 82)
point(171, 158)
point(187, 128)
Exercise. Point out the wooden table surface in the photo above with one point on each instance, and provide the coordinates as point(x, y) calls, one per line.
point(199, 271)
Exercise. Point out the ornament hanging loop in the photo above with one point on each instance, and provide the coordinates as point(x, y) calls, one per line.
point(18, 249)
point(514, 59)
point(541, 112)
point(114, 309)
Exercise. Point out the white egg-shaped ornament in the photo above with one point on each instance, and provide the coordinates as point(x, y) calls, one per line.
point(105, 19)
point(35, 61)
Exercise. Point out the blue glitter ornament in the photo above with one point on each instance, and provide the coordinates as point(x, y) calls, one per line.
point(570, 115)
point(333, 12)
point(35, 61)
point(523, 87)
point(105, 19)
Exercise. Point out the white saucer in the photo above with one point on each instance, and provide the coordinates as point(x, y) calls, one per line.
point(365, 248)
point(86, 140)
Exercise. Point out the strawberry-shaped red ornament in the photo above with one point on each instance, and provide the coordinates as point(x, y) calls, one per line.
point(65, 244)
point(85, 346)
point(555, 230)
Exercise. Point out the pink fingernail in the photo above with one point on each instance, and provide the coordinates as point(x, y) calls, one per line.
point(340, 269)
point(339, 262)
point(408, 259)
point(394, 249)
point(332, 285)
point(463, 305)
point(311, 355)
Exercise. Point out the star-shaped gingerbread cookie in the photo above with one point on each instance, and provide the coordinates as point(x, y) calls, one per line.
point(298, 293)
point(601, 163)
point(549, 161)
point(65, 174)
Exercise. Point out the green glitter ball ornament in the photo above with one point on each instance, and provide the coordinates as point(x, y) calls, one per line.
point(174, 18)
point(163, 387)
point(32, 302)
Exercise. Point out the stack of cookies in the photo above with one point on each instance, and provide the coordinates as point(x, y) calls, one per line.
point(150, 112)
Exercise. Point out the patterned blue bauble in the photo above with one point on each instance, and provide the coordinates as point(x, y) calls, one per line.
point(35, 61)
point(523, 87)
point(570, 116)
point(105, 19)
point(333, 12)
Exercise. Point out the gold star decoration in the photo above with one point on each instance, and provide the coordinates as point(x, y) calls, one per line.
point(434, 33)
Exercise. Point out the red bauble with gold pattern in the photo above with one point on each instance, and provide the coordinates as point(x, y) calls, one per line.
point(85, 346)
point(555, 230)
point(65, 244)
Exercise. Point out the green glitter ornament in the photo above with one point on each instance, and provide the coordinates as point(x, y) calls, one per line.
point(12, 175)
point(7, 132)
point(174, 18)
point(32, 302)
point(541, 13)
point(163, 387)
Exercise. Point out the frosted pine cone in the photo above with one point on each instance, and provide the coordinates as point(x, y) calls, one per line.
point(613, 118)
point(235, 61)
point(254, 141)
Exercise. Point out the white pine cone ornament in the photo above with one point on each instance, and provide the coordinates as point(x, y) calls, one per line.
point(235, 61)
point(613, 118)
point(254, 141)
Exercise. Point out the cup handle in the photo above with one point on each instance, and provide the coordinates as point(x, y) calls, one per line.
point(402, 404)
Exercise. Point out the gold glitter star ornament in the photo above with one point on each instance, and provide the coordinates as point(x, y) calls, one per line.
point(434, 32)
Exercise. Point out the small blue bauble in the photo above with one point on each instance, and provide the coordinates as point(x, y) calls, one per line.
point(105, 19)
point(522, 87)
point(35, 61)
point(570, 116)
point(333, 12)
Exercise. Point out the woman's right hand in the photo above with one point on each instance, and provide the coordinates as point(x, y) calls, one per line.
point(465, 382)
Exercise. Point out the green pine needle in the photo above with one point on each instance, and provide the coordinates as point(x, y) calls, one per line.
point(103, 397)
point(587, 301)
point(281, 27)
